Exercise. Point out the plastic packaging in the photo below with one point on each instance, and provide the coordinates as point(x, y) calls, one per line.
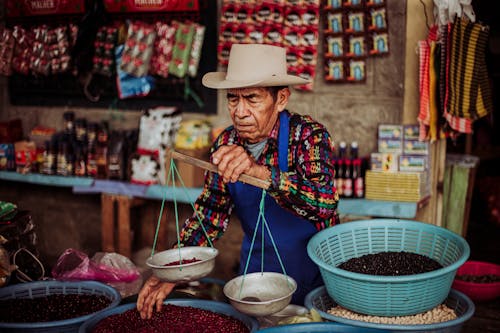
point(104, 267)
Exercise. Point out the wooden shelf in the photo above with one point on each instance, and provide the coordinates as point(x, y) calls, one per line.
point(359, 207)
point(35, 178)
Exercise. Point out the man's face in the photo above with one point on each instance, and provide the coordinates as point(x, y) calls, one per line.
point(254, 111)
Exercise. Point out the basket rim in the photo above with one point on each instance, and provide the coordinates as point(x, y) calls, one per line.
point(55, 283)
point(385, 278)
point(242, 277)
point(203, 249)
point(308, 302)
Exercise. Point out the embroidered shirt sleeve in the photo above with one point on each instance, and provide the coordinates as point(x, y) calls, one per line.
point(213, 206)
point(307, 188)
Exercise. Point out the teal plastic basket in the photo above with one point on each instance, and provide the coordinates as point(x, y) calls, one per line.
point(324, 327)
point(45, 288)
point(387, 295)
point(464, 308)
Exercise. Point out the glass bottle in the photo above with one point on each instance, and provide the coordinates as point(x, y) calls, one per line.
point(347, 181)
point(61, 159)
point(92, 161)
point(359, 181)
point(340, 177)
point(102, 153)
point(81, 129)
point(80, 161)
point(50, 158)
point(354, 150)
point(69, 122)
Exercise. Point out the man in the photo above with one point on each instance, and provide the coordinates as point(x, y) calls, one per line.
point(292, 152)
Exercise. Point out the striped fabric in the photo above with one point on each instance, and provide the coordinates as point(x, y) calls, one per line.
point(469, 94)
point(424, 114)
point(433, 98)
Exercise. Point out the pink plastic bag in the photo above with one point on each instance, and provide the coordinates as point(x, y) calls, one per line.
point(104, 267)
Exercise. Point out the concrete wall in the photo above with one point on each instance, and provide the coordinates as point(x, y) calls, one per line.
point(350, 112)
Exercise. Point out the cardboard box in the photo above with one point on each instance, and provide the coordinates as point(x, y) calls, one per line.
point(397, 186)
point(411, 132)
point(394, 146)
point(390, 132)
point(413, 163)
point(415, 147)
point(384, 162)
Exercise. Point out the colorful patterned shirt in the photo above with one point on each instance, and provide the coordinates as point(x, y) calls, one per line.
point(306, 189)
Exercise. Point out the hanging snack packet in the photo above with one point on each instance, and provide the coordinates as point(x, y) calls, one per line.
point(129, 85)
point(162, 50)
point(6, 51)
point(40, 58)
point(22, 51)
point(182, 48)
point(138, 49)
point(195, 55)
point(104, 58)
point(158, 127)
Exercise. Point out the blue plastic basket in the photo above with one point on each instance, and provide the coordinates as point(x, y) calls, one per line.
point(463, 306)
point(46, 288)
point(387, 295)
point(217, 307)
point(319, 328)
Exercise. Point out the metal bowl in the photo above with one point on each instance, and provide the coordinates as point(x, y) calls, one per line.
point(260, 294)
point(183, 272)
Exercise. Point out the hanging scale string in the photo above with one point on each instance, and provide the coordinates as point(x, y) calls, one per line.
point(172, 172)
point(262, 218)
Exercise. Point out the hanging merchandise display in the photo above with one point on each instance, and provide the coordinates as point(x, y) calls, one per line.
point(76, 49)
point(353, 31)
point(453, 78)
point(290, 24)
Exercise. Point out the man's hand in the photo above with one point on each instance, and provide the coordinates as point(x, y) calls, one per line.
point(154, 292)
point(233, 160)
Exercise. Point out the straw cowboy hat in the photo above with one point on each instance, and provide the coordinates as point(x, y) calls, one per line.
point(253, 65)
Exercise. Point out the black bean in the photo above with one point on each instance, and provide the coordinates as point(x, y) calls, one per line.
point(391, 264)
point(486, 278)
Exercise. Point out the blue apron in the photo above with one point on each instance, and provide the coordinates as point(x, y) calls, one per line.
point(290, 233)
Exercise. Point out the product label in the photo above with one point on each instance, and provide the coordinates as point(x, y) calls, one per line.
point(359, 187)
point(347, 187)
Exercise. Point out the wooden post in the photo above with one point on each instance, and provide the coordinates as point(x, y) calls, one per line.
point(107, 222)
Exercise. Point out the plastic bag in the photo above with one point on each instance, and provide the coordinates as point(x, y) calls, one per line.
point(104, 267)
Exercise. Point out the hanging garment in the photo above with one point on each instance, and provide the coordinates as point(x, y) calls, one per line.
point(290, 232)
point(424, 113)
point(425, 49)
point(433, 96)
point(469, 94)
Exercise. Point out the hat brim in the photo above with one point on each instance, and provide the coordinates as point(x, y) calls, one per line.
point(217, 80)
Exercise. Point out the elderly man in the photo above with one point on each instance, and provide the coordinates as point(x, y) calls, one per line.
point(292, 152)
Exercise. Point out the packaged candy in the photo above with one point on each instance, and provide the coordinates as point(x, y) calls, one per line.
point(162, 50)
point(195, 55)
point(182, 48)
point(138, 49)
point(104, 56)
point(129, 85)
point(6, 51)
